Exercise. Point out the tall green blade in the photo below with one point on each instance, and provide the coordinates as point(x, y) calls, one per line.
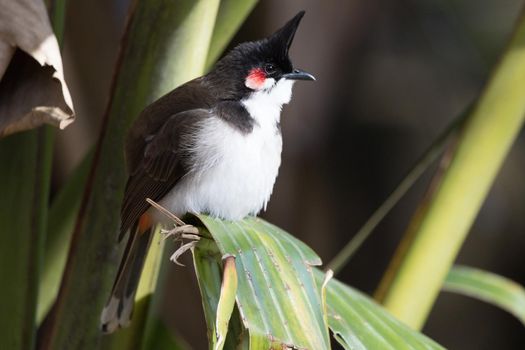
point(485, 141)
point(60, 225)
point(488, 287)
point(24, 185)
point(165, 45)
point(277, 297)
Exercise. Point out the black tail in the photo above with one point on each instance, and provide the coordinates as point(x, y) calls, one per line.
point(119, 308)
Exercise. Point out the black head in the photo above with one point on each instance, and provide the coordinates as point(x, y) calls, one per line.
point(253, 65)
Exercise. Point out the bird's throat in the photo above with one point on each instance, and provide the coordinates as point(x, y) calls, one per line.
point(265, 105)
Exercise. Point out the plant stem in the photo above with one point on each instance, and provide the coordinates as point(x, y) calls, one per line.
point(487, 137)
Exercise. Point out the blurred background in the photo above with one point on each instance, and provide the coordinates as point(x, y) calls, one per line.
point(391, 75)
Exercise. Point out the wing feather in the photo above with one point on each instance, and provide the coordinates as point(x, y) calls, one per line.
point(164, 162)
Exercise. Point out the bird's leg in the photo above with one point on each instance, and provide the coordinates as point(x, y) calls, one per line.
point(179, 232)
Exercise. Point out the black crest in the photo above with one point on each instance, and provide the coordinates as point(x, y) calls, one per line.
point(231, 70)
point(281, 40)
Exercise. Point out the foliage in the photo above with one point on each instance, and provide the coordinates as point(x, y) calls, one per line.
point(260, 286)
point(283, 300)
point(488, 287)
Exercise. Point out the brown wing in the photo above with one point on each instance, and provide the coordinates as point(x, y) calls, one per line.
point(161, 165)
point(193, 95)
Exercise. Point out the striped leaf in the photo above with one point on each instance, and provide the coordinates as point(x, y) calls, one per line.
point(488, 287)
point(357, 322)
point(278, 299)
point(283, 300)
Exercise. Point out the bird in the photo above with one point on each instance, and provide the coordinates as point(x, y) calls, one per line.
point(212, 145)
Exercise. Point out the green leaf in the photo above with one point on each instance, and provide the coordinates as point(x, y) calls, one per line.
point(226, 302)
point(358, 322)
point(208, 272)
point(60, 225)
point(282, 299)
point(488, 287)
point(278, 298)
point(24, 188)
point(207, 262)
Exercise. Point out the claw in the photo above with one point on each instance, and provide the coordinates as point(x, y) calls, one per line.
point(180, 233)
point(183, 249)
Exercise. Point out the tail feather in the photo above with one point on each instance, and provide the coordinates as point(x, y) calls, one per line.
point(119, 308)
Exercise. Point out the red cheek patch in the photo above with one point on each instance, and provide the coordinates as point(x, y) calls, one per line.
point(255, 79)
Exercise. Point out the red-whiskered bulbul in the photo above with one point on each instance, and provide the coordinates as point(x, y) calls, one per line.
point(212, 145)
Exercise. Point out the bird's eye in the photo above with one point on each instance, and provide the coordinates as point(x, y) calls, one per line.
point(269, 68)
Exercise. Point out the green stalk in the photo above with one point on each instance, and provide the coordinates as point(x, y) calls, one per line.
point(165, 45)
point(25, 187)
point(26, 160)
point(487, 137)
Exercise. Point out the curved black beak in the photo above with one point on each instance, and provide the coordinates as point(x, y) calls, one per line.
point(298, 74)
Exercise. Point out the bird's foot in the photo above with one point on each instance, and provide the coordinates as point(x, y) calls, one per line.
point(179, 234)
point(183, 249)
point(182, 232)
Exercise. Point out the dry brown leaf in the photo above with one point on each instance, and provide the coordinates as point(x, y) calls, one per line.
point(32, 86)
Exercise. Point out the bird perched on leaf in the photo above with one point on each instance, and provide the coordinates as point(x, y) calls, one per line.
point(212, 145)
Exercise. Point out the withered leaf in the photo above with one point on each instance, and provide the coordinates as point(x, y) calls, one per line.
point(32, 86)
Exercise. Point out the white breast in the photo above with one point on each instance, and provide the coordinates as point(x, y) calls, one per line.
point(234, 173)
